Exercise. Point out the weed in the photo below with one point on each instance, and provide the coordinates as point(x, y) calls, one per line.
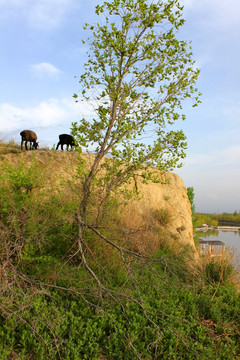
point(10, 147)
point(162, 216)
point(166, 197)
point(218, 270)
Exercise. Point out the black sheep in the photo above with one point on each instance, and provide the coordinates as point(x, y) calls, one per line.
point(65, 139)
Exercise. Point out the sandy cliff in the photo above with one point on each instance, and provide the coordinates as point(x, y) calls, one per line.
point(166, 208)
point(163, 212)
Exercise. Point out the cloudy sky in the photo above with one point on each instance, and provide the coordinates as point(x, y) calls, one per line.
point(42, 52)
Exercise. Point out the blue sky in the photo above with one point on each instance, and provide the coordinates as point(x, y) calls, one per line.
point(42, 52)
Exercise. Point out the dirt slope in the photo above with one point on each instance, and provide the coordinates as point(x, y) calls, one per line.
point(167, 208)
point(163, 211)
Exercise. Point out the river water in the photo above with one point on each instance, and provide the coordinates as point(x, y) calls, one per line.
point(231, 239)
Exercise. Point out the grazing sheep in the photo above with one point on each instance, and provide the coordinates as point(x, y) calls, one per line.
point(65, 139)
point(31, 136)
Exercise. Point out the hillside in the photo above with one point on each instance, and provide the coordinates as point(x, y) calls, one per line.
point(165, 204)
point(125, 285)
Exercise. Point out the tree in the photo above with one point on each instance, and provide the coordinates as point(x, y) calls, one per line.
point(137, 75)
point(191, 195)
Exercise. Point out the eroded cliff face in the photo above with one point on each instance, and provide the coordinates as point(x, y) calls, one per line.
point(165, 212)
point(162, 214)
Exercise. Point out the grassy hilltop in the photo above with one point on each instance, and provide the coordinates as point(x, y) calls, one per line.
point(139, 302)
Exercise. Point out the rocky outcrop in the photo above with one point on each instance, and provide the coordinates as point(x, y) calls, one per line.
point(164, 211)
point(162, 214)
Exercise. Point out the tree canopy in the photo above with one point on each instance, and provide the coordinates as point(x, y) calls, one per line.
point(137, 75)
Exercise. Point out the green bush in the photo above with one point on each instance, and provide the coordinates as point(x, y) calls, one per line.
point(44, 222)
point(218, 270)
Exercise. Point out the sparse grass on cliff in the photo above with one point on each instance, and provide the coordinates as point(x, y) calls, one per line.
point(9, 147)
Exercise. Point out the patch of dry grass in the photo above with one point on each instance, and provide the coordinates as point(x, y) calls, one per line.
point(10, 147)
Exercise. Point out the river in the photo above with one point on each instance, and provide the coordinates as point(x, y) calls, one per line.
point(231, 239)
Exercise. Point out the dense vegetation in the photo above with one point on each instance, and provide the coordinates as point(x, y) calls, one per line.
point(214, 219)
point(159, 306)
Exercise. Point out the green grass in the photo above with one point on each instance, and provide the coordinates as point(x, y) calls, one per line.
point(179, 321)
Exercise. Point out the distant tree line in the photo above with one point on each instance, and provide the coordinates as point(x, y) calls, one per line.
point(224, 219)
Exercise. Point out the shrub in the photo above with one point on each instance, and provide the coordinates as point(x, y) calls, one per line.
point(218, 270)
point(162, 216)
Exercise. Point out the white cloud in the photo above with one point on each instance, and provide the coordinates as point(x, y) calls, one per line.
point(43, 14)
point(229, 156)
point(216, 185)
point(196, 160)
point(187, 3)
point(216, 12)
point(217, 160)
point(44, 69)
point(52, 112)
point(16, 118)
point(48, 13)
point(11, 3)
point(231, 108)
